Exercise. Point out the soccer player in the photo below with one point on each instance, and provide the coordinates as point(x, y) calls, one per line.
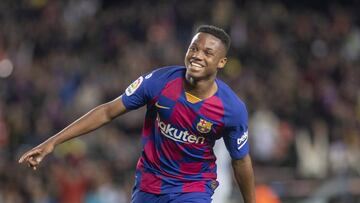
point(188, 109)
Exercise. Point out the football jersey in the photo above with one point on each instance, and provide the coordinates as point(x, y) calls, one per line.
point(178, 136)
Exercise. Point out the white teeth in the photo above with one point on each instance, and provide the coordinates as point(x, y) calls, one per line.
point(196, 64)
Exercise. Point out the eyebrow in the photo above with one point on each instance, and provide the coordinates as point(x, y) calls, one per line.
point(209, 49)
point(206, 48)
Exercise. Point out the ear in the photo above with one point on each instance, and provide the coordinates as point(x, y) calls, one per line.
point(222, 62)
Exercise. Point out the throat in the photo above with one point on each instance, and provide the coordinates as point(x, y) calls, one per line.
point(199, 91)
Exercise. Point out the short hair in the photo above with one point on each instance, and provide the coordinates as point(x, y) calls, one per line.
point(216, 32)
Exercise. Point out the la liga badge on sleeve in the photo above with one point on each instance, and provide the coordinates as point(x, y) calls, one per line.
point(134, 86)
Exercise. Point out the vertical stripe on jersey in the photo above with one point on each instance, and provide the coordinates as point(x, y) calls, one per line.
point(172, 151)
point(213, 109)
point(173, 89)
point(183, 116)
point(151, 153)
point(148, 125)
point(150, 182)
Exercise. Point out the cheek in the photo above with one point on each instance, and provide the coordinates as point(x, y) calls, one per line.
point(213, 66)
point(187, 55)
point(187, 58)
point(212, 62)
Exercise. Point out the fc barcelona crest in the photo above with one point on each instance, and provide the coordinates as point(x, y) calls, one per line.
point(203, 126)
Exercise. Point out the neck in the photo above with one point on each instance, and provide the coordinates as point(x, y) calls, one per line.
point(200, 88)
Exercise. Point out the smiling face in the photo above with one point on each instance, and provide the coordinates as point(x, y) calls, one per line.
point(205, 55)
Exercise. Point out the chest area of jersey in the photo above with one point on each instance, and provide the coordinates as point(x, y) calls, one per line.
point(186, 122)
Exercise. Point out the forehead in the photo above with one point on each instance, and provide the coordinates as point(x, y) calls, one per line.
point(207, 40)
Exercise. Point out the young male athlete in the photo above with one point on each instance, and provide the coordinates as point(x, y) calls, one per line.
point(188, 109)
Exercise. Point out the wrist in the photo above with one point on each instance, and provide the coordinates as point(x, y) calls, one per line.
point(52, 141)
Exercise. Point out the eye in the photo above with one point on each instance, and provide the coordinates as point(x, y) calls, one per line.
point(208, 53)
point(193, 48)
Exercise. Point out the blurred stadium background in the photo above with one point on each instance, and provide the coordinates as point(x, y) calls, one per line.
point(295, 64)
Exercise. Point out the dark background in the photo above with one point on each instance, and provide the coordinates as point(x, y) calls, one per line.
point(294, 63)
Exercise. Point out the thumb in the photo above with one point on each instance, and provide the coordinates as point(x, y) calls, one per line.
point(30, 153)
point(40, 157)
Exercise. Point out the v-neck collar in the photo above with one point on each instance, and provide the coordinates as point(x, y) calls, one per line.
point(183, 95)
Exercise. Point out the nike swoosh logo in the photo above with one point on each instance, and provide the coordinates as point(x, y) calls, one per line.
point(161, 107)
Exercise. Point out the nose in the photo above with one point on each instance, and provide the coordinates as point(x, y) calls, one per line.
point(197, 55)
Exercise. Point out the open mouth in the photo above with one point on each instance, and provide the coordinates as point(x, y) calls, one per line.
point(195, 66)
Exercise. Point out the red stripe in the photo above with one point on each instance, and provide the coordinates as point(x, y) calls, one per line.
point(151, 153)
point(150, 183)
point(183, 116)
point(148, 124)
point(190, 168)
point(140, 164)
point(209, 175)
point(173, 89)
point(213, 108)
point(172, 150)
point(194, 186)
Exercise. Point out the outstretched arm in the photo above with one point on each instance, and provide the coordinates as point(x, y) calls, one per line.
point(244, 176)
point(94, 119)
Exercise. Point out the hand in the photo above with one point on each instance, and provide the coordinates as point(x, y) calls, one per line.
point(34, 156)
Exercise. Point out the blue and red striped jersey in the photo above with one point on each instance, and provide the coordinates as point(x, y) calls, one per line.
point(178, 136)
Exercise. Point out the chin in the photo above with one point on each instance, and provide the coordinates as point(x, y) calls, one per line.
point(193, 78)
point(193, 74)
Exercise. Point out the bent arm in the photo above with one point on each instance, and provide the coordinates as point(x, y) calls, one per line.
point(244, 176)
point(94, 119)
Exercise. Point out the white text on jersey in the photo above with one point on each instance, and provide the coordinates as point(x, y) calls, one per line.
point(179, 135)
point(242, 140)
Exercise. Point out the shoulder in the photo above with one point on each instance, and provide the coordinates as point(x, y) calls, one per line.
point(156, 80)
point(234, 107)
point(167, 72)
point(228, 96)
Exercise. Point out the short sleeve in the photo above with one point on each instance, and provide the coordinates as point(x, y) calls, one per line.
point(236, 133)
point(140, 92)
point(236, 141)
point(148, 86)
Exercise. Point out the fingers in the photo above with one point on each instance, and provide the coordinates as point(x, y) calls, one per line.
point(32, 157)
point(31, 166)
point(28, 154)
point(33, 162)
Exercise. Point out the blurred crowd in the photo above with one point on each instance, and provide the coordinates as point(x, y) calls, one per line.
point(296, 67)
